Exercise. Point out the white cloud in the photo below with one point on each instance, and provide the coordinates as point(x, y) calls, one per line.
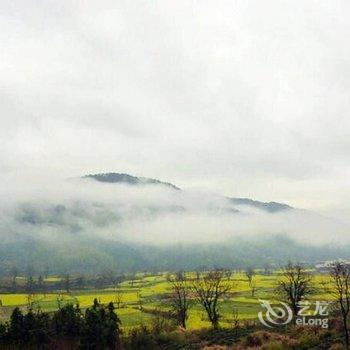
point(47, 209)
point(246, 98)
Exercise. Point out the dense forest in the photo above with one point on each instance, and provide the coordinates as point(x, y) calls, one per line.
point(83, 256)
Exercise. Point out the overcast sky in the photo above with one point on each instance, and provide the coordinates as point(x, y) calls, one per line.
point(244, 98)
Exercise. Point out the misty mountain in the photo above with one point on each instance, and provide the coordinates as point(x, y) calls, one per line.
point(128, 179)
point(271, 207)
point(129, 223)
point(134, 180)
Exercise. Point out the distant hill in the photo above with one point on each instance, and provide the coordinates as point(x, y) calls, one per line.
point(98, 228)
point(271, 207)
point(128, 179)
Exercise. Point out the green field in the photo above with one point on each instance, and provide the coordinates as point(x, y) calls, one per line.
point(149, 293)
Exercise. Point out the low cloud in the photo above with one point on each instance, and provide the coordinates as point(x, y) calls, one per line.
point(50, 209)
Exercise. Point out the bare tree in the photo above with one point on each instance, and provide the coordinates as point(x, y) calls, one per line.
point(267, 269)
point(340, 277)
point(228, 274)
point(295, 285)
point(253, 287)
point(208, 289)
point(180, 297)
point(119, 298)
point(250, 273)
point(132, 279)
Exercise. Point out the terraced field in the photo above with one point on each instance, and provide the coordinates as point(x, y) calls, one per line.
point(138, 299)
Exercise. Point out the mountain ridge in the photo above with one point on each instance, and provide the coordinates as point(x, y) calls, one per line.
point(135, 180)
point(129, 179)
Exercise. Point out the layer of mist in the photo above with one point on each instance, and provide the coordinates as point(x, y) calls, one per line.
point(44, 216)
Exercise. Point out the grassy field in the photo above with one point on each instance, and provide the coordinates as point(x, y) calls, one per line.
point(150, 293)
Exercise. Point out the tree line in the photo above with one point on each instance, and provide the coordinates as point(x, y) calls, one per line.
point(65, 282)
point(97, 328)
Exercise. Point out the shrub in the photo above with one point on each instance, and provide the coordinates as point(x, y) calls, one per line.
point(308, 340)
point(142, 339)
point(337, 346)
point(274, 345)
point(253, 340)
